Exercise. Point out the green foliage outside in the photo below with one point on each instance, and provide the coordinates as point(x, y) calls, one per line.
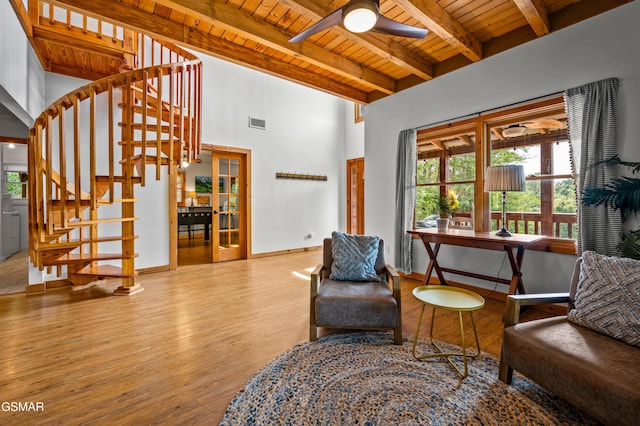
point(14, 185)
point(463, 168)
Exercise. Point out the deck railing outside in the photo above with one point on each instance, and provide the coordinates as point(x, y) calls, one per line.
point(564, 225)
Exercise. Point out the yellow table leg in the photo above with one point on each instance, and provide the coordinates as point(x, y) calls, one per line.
point(440, 351)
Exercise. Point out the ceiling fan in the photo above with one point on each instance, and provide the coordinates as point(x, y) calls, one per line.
point(545, 123)
point(359, 16)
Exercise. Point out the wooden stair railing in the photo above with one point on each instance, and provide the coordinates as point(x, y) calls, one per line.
point(69, 179)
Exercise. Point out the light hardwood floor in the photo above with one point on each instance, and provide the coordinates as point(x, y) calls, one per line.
point(176, 353)
point(14, 273)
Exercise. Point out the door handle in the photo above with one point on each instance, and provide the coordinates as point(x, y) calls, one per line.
point(215, 212)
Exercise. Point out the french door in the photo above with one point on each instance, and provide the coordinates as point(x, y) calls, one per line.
point(230, 205)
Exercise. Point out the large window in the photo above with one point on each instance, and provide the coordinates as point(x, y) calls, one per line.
point(454, 157)
point(537, 138)
point(446, 162)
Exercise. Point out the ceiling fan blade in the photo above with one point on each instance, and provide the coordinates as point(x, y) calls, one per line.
point(545, 123)
point(391, 27)
point(328, 21)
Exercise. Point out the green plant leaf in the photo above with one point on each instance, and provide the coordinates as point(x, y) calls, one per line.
point(623, 194)
point(630, 245)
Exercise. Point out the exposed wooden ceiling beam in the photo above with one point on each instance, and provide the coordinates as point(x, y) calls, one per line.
point(265, 33)
point(438, 145)
point(164, 29)
point(234, 20)
point(436, 19)
point(466, 139)
point(536, 14)
point(386, 48)
point(497, 131)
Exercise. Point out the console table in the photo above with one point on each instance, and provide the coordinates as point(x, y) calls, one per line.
point(514, 246)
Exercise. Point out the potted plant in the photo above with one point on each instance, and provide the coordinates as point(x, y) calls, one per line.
point(622, 194)
point(448, 204)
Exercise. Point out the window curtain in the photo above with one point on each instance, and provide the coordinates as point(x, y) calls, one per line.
point(592, 114)
point(405, 198)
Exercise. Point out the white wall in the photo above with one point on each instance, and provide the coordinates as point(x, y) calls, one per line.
point(21, 90)
point(305, 133)
point(601, 47)
point(21, 76)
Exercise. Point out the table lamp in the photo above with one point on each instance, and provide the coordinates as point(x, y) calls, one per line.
point(192, 195)
point(503, 179)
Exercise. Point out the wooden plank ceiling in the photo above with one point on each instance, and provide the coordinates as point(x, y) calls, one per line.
point(361, 67)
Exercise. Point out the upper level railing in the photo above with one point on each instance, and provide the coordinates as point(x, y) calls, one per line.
point(145, 51)
point(56, 14)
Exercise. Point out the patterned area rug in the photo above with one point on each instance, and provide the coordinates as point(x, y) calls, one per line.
point(362, 378)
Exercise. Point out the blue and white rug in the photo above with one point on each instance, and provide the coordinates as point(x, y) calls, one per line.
point(363, 379)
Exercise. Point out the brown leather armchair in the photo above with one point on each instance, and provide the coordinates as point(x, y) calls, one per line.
point(594, 372)
point(365, 305)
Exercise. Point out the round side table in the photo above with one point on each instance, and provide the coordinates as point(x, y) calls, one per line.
point(452, 299)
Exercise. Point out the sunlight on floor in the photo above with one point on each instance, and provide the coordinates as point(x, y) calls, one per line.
point(302, 276)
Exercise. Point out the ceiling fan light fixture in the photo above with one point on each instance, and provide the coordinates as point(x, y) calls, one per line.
point(513, 131)
point(360, 16)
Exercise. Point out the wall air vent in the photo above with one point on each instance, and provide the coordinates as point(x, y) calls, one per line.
point(257, 123)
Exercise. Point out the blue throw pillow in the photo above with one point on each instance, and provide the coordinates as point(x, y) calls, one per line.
point(354, 257)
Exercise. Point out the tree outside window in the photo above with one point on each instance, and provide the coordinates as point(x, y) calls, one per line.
point(16, 184)
point(534, 135)
point(445, 163)
point(548, 205)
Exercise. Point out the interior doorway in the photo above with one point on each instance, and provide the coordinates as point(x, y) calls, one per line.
point(14, 232)
point(194, 212)
point(213, 207)
point(355, 196)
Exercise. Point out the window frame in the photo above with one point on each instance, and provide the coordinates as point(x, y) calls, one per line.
point(24, 182)
point(449, 132)
point(483, 124)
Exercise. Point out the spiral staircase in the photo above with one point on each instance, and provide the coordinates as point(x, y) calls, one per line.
point(91, 149)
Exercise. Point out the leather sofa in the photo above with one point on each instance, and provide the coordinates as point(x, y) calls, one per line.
point(598, 374)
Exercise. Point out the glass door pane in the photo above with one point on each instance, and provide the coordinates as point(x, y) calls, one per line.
point(230, 206)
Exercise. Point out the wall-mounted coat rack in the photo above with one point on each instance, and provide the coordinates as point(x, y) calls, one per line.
point(300, 176)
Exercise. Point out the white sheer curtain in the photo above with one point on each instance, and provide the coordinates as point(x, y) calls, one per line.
point(405, 198)
point(592, 113)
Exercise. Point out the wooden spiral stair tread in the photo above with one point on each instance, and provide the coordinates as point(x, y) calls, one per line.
point(77, 243)
point(104, 271)
point(86, 258)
